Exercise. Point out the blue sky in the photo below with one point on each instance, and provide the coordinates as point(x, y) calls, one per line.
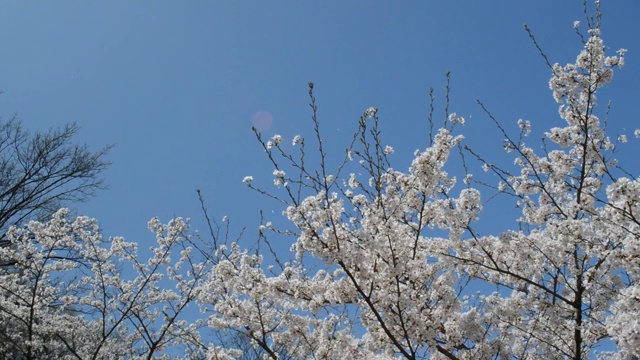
point(176, 84)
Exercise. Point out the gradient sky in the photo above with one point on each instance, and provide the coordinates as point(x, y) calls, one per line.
point(176, 85)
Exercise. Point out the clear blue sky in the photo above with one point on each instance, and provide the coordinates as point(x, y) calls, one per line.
point(175, 84)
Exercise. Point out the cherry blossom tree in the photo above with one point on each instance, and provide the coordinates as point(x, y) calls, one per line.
point(72, 294)
point(397, 259)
